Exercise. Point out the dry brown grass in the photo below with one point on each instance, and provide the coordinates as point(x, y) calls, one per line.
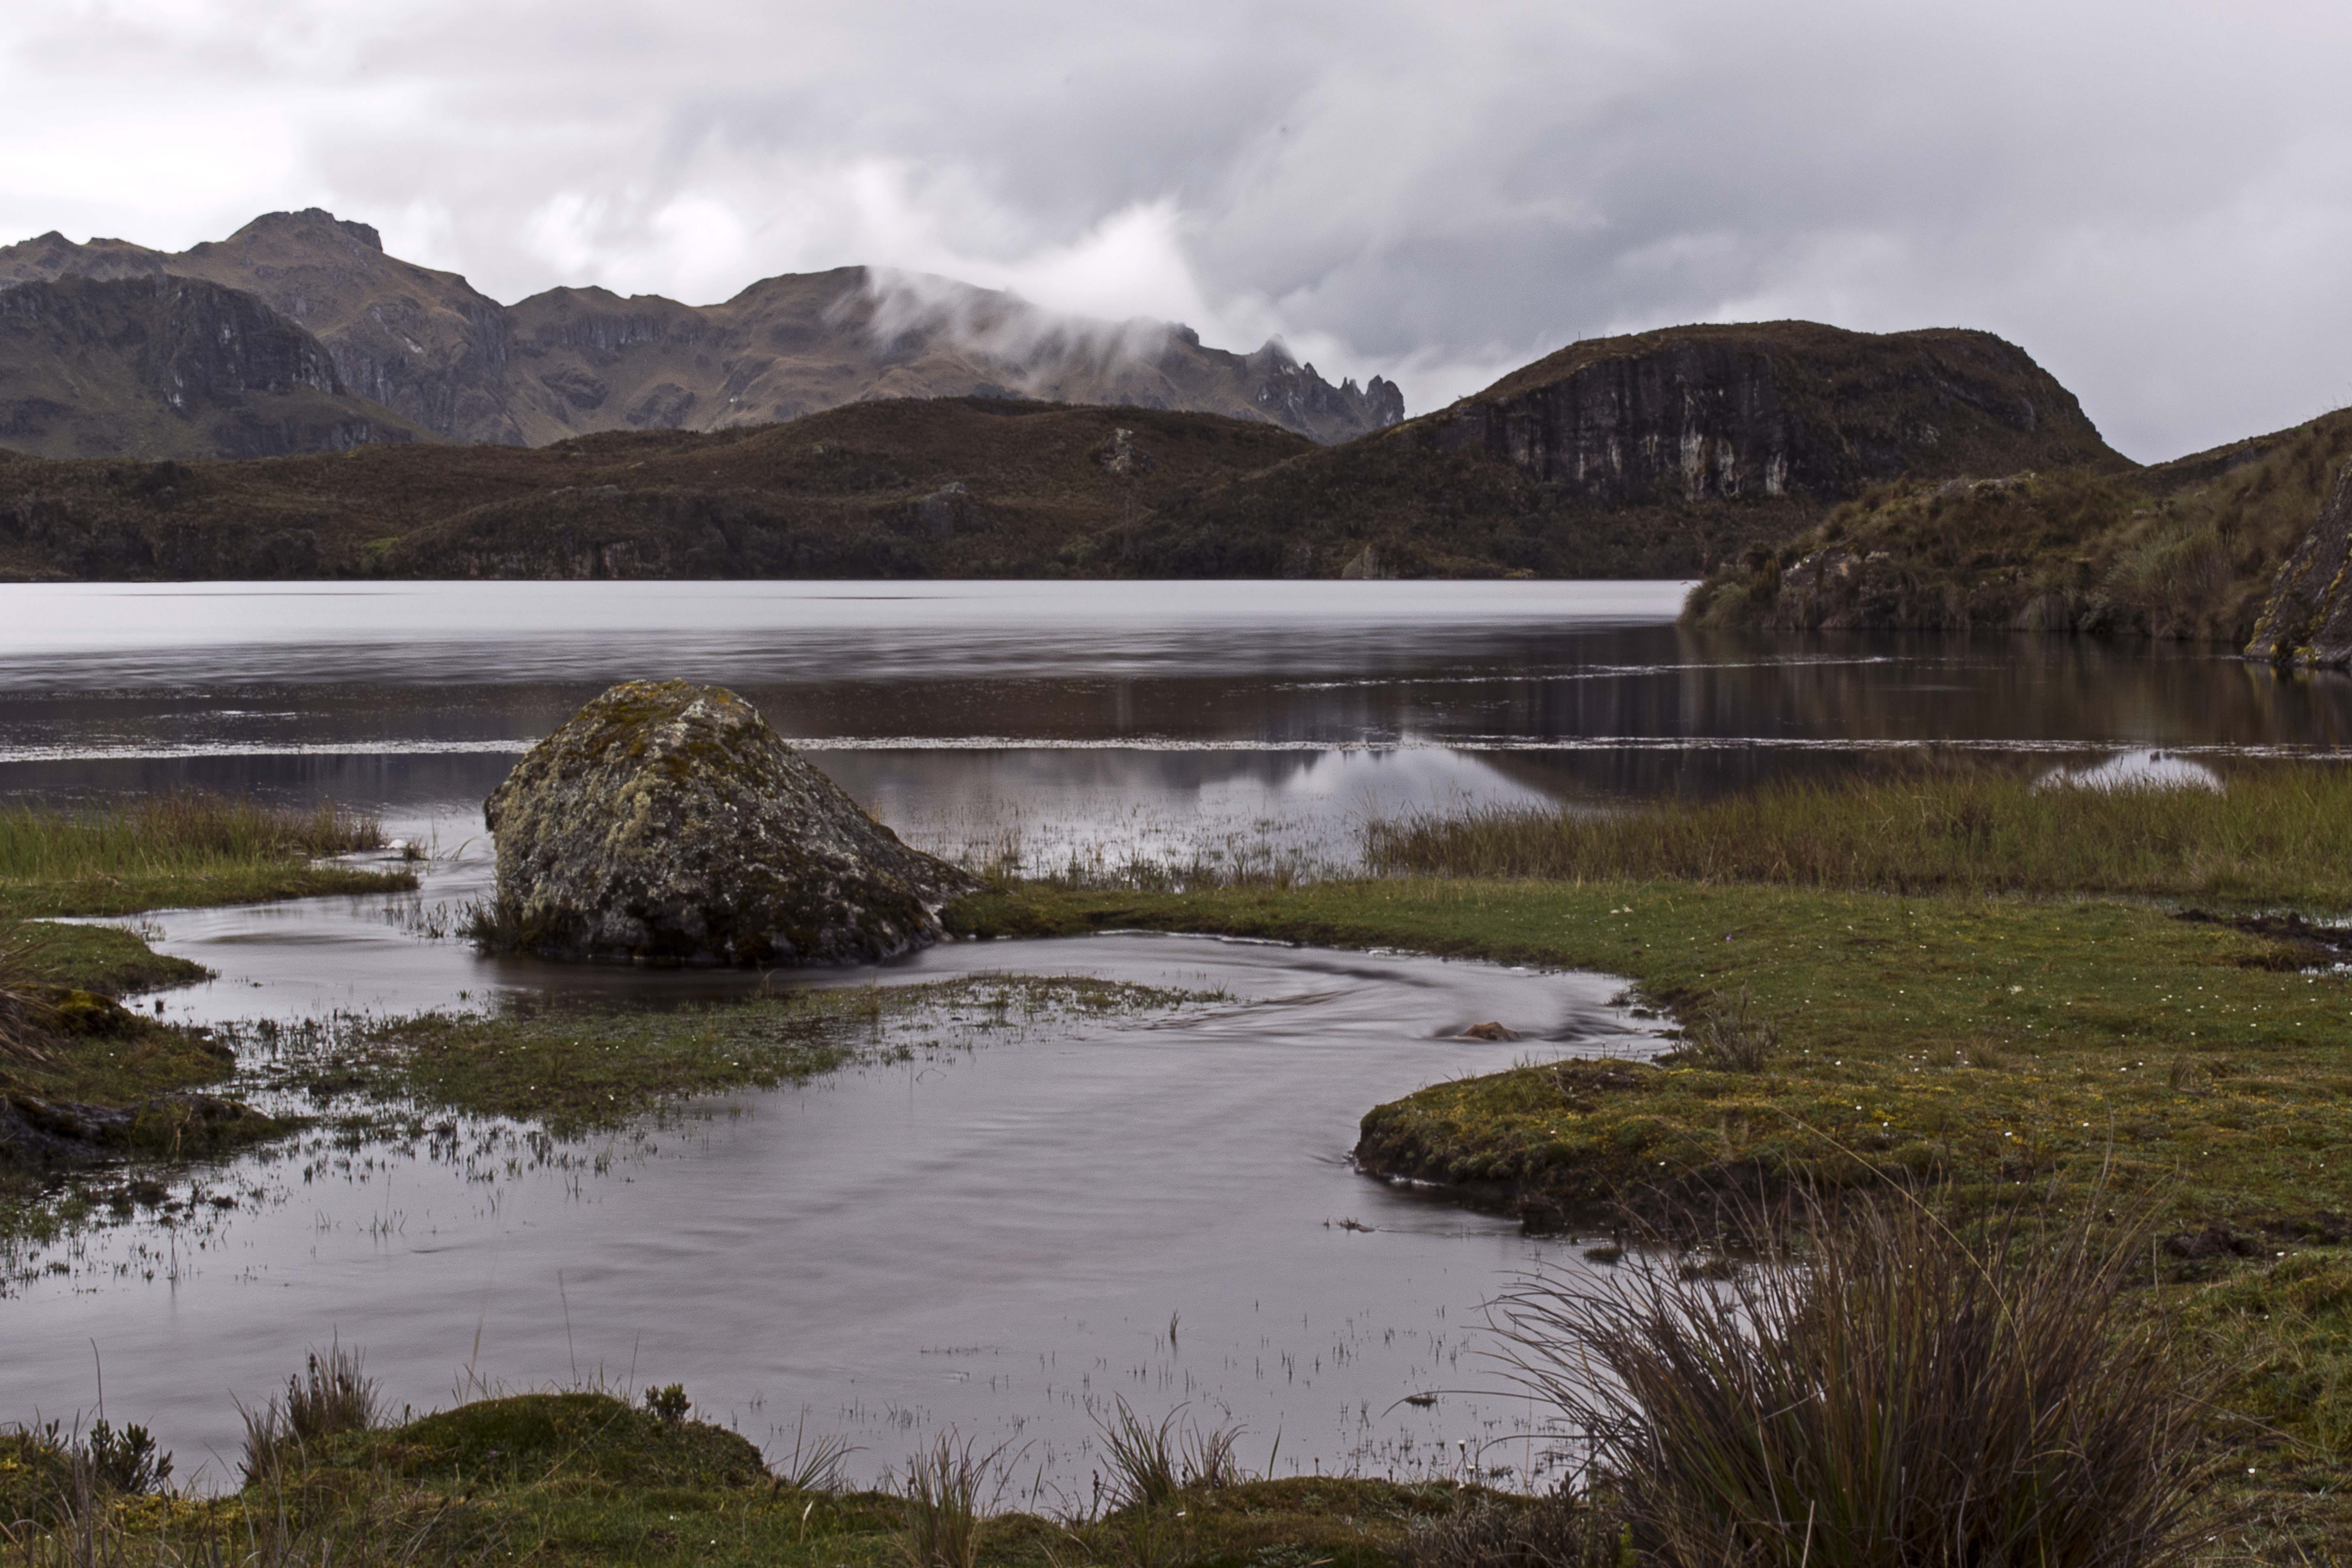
point(1888, 1393)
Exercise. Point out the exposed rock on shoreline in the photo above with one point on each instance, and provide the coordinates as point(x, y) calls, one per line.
point(667, 821)
point(2308, 620)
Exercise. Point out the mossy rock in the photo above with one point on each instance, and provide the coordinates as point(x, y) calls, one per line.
point(668, 822)
point(75, 1012)
point(37, 1133)
point(530, 1438)
point(190, 1126)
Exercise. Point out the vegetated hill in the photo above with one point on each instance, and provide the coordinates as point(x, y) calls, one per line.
point(572, 361)
point(1659, 454)
point(948, 488)
point(173, 367)
point(2186, 550)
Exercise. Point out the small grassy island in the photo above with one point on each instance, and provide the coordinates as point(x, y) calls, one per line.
point(1942, 993)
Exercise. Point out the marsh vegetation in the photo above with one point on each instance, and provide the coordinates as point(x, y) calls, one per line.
point(1950, 1000)
point(156, 851)
point(2278, 833)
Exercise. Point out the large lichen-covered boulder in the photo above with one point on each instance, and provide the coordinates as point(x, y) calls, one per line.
point(667, 821)
point(2308, 620)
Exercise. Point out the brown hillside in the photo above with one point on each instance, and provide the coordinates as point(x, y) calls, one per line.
point(2187, 549)
point(1654, 455)
point(978, 486)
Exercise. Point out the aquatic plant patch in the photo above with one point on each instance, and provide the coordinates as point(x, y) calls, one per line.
point(573, 1069)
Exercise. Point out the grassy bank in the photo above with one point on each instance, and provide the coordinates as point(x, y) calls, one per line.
point(2277, 834)
point(1989, 1041)
point(82, 1078)
point(585, 1477)
point(1996, 1050)
point(2187, 550)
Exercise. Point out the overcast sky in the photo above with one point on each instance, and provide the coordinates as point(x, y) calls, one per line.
point(2154, 197)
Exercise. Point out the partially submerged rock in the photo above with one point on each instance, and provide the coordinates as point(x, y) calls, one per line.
point(2308, 620)
point(667, 821)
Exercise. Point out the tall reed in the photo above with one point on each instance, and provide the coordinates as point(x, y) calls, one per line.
point(171, 833)
point(26, 1013)
point(1152, 1464)
point(946, 1514)
point(333, 1394)
point(2282, 832)
point(1894, 1395)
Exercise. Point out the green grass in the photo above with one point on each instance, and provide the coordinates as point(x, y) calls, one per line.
point(2002, 1048)
point(106, 959)
point(177, 851)
point(70, 1053)
point(2275, 834)
point(1991, 1041)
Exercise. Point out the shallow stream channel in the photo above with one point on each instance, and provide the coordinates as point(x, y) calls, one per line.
point(998, 1221)
point(1005, 1211)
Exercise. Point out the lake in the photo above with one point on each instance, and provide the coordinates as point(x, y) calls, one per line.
point(1003, 1236)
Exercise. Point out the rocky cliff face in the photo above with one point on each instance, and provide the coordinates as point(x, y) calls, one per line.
point(572, 362)
point(2307, 619)
point(424, 344)
point(1663, 454)
point(1780, 409)
point(168, 366)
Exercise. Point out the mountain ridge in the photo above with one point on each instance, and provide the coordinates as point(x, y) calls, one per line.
point(989, 486)
point(164, 366)
point(455, 363)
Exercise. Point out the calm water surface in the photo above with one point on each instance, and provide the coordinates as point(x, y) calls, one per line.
point(994, 1241)
point(1102, 721)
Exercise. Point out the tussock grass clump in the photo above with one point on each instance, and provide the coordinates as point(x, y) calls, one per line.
point(1892, 1393)
point(25, 1007)
point(1733, 1037)
point(2275, 832)
point(946, 1511)
point(332, 1395)
point(1152, 1464)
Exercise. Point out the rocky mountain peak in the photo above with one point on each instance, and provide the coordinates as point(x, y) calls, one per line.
point(434, 349)
point(314, 225)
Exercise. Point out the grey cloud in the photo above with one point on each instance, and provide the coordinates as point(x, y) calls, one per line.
point(2152, 196)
